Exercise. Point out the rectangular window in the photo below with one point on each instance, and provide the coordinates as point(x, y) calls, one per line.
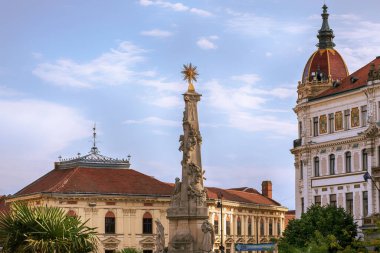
point(228, 227)
point(216, 227)
point(316, 166)
point(365, 203)
point(332, 164)
point(311, 129)
point(109, 225)
point(249, 228)
point(348, 161)
point(147, 226)
point(278, 228)
point(331, 123)
point(270, 228)
point(317, 200)
point(301, 170)
point(333, 200)
point(349, 203)
point(347, 119)
point(364, 159)
point(364, 115)
point(302, 205)
point(315, 126)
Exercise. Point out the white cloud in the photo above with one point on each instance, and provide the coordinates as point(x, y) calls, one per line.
point(157, 33)
point(247, 78)
point(8, 92)
point(207, 42)
point(112, 68)
point(358, 41)
point(175, 7)
point(166, 101)
point(255, 25)
point(31, 131)
point(245, 107)
point(41, 127)
point(153, 121)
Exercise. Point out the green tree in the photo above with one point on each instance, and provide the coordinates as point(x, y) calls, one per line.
point(320, 227)
point(44, 230)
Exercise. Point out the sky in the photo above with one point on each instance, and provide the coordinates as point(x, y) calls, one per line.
point(65, 65)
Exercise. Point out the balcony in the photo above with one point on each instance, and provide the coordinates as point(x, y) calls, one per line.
point(297, 143)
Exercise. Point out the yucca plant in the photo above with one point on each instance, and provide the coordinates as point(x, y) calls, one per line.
point(44, 230)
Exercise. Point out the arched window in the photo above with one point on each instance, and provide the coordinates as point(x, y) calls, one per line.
point(216, 225)
point(147, 223)
point(364, 159)
point(71, 213)
point(332, 164)
point(238, 225)
point(270, 228)
point(249, 226)
point(348, 161)
point(228, 225)
point(316, 166)
point(109, 223)
point(262, 228)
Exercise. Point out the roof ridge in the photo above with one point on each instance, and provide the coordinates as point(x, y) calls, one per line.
point(65, 180)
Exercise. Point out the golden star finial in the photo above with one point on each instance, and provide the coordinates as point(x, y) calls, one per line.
point(190, 74)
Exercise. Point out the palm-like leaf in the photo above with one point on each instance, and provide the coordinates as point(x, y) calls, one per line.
point(44, 230)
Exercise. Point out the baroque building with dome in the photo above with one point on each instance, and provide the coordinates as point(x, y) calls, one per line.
point(337, 153)
point(123, 204)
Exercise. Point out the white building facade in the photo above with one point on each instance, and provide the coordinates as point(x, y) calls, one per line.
point(338, 140)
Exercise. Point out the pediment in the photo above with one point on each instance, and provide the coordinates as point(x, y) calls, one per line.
point(230, 240)
point(251, 240)
point(111, 240)
point(111, 243)
point(240, 240)
point(147, 240)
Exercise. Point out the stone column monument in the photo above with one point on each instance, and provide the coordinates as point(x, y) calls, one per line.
point(188, 209)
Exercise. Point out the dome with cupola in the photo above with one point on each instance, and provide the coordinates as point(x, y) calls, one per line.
point(325, 64)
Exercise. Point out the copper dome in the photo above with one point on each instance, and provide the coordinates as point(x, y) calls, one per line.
point(326, 62)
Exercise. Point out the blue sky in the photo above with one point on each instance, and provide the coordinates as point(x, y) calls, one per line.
point(67, 64)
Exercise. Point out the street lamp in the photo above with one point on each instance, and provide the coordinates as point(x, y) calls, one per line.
point(220, 205)
point(367, 176)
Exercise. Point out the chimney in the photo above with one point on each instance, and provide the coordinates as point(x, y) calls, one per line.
point(266, 188)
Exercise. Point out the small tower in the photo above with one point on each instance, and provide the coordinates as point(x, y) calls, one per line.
point(325, 67)
point(188, 205)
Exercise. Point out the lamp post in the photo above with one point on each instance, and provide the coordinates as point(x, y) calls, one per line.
point(220, 205)
point(367, 176)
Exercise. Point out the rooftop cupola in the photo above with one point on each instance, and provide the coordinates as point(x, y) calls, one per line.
point(325, 34)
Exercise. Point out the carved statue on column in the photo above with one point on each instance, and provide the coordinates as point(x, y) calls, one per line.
point(208, 237)
point(160, 237)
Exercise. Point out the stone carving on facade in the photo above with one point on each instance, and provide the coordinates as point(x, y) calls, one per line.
point(338, 121)
point(208, 237)
point(160, 237)
point(355, 117)
point(373, 74)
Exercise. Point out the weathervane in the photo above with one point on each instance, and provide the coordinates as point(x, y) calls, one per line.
point(94, 149)
point(190, 74)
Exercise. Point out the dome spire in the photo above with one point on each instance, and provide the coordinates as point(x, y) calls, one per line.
point(325, 34)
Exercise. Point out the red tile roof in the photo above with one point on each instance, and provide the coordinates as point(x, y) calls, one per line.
point(346, 84)
point(97, 180)
point(240, 196)
point(125, 182)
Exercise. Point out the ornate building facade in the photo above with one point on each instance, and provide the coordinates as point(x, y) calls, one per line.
point(123, 203)
point(338, 147)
